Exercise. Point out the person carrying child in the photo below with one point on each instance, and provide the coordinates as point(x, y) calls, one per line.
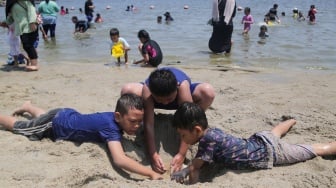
point(311, 14)
point(119, 46)
point(149, 49)
point(103, 127)
point(166, 88)
point(262, 150)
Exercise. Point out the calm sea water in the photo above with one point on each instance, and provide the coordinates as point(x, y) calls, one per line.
point(291, 45)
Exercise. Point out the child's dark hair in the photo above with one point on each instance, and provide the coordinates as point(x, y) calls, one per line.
point(114, 31)
point(129, 101)
point(74, 18)
point(188, 115)
point(263, 27)
point(143, 34)
point(247, 9)
point(162, 82)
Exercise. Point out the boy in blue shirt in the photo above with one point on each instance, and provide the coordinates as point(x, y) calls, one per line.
point(262, 150)
point(68, 124)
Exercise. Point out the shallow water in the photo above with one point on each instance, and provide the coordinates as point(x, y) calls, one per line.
point(291, 45)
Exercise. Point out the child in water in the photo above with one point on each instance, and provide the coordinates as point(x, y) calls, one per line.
point(247, 20)
point(263, 32)
point(80, 25)
point(149, 49)
point(62, 12)
point(119, 46)
point(98, 18)
point(311, 14)
point(301, 17)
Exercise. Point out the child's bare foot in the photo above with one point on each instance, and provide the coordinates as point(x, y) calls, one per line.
point(31, 68)
point(20, 111)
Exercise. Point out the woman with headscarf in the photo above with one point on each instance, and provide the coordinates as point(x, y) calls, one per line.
point(23, 14)
point(223, 12)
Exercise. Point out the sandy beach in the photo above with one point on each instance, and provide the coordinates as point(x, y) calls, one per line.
point(246, 101)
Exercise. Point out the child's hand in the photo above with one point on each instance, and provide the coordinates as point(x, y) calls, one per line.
point(3, 24)
point(180, 175)
point(33, 26)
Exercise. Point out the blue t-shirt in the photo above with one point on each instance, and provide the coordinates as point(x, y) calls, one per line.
point(236, 153)
point(68, 124)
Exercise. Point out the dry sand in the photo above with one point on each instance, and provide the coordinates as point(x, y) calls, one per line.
point(246, 102)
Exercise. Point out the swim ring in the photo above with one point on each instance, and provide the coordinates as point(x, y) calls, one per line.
point(117, 50)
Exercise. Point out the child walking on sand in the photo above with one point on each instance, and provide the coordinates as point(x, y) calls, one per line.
point(119, 46)
point(262, 150)
point(247, 20)
point(68, 124)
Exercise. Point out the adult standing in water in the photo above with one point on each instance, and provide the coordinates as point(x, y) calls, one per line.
point(223, 11)
point(49, 10)
point(23, 14)
point(88, 10)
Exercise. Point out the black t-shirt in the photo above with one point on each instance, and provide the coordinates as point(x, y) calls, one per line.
point(154, 52)
point(81, 26)
point(273, 13)
point(87, 9)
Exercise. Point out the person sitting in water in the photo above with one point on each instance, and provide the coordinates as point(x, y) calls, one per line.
point(263, 31)
point(159, 19)
point(295, 13)
point(301, 17)
point(168, 17)
point(98, 18)
point(80, 25)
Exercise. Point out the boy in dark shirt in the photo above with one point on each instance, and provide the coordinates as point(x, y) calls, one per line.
point(80, 25)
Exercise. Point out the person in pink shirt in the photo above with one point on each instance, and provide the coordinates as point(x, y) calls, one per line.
point(247, 20)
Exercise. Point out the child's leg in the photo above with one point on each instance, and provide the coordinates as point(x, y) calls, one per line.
point(7, 122)
point(325, 149)
point(126, 57)
point(203, 95)
point(31, 109)
point(282, 128)
point(16, 59)
point(135, 88)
